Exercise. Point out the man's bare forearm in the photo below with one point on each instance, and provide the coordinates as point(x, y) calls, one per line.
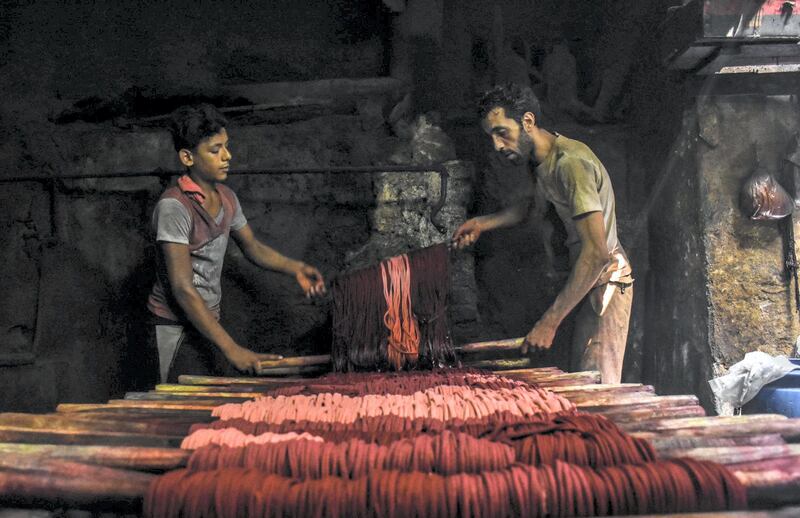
point(507, 217)
point(584, 275)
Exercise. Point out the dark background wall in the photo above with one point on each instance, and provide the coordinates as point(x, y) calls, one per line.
point(85, 84)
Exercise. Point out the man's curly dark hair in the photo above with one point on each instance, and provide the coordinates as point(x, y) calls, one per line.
point(515, 99)
point(191, 124)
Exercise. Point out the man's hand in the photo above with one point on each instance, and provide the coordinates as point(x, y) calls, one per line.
point(467, 233)
point(310, 280)
point(540, 337)
point(248, 361)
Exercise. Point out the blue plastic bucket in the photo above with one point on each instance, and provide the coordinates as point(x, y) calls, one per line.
point(779, 397)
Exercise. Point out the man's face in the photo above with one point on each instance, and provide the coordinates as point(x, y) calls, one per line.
point(211, 159)
point(508, 138)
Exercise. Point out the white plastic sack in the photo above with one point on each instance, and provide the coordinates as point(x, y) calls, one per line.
point(745, 379)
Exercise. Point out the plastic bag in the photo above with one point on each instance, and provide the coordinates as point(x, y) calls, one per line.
point(763, 198)
point(745, 379)
point(429, 143)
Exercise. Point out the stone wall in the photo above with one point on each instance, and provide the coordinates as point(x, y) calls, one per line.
point(721, 289)
point(71, 319)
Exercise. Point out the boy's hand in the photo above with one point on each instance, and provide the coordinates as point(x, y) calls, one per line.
point(248, 361)
point(311, 281)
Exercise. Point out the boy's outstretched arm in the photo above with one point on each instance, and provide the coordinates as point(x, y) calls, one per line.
point(308, 277)
point(179, 271)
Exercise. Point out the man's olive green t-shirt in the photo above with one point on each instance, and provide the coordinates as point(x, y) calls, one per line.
point(574, 180)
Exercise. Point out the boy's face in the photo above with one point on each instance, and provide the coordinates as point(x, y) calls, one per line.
point(210, 160)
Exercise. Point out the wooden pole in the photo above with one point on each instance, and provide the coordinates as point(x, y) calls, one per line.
point(55, 483)
point(666, 444)
point(508, 344)
point(738, 454)
point(297, 361)
point(789, 429)
point(109, 422)
point(20, 434)
point(130, 457)
point(220, 380)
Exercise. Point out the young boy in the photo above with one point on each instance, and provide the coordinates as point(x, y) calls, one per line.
point(192, 221)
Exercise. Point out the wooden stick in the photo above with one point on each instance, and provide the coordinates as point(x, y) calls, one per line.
point(56, 483)
point(621, 388)
point(508, 344)
point(587, 397)
point(789, 429)
point(64, 437)
point(499, 364)
point(785, 465)
point(637, 402)
point(155, 415)
point(188, 389)
point(666, 444)
point(137, 458)
point(532, 376)
point(219, 380)
point(225, 397)
point(75, 422)
point(701, 422)
point(134, 406)
point(297, 361)
point(195, 404)
point(228, 393)
point(627, 415)
point(737, 454)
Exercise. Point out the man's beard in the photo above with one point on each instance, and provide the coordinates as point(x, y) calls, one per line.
point(525, 154)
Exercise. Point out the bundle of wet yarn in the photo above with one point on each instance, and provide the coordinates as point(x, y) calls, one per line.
point(445, 443)
point(393, 315)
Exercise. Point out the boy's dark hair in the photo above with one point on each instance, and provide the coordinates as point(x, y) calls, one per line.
point(191, 124)
point(515, 99)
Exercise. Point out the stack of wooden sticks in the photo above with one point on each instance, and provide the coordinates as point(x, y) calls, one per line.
point(107, 456)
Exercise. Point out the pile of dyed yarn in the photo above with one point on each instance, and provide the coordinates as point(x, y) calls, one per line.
point(393, 315)
point(445, 443)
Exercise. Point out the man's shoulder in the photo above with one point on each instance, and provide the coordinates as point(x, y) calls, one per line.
point(568, 149)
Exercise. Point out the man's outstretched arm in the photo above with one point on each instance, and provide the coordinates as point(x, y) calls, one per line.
point(471, 230)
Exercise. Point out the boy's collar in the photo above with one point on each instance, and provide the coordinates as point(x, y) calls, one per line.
point(191, 189)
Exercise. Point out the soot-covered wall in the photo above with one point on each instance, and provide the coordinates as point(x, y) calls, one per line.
point(124, 64)
point(82, 85)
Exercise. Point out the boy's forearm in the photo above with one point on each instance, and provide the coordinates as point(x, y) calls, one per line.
point(270, 259)
point(203, 320)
